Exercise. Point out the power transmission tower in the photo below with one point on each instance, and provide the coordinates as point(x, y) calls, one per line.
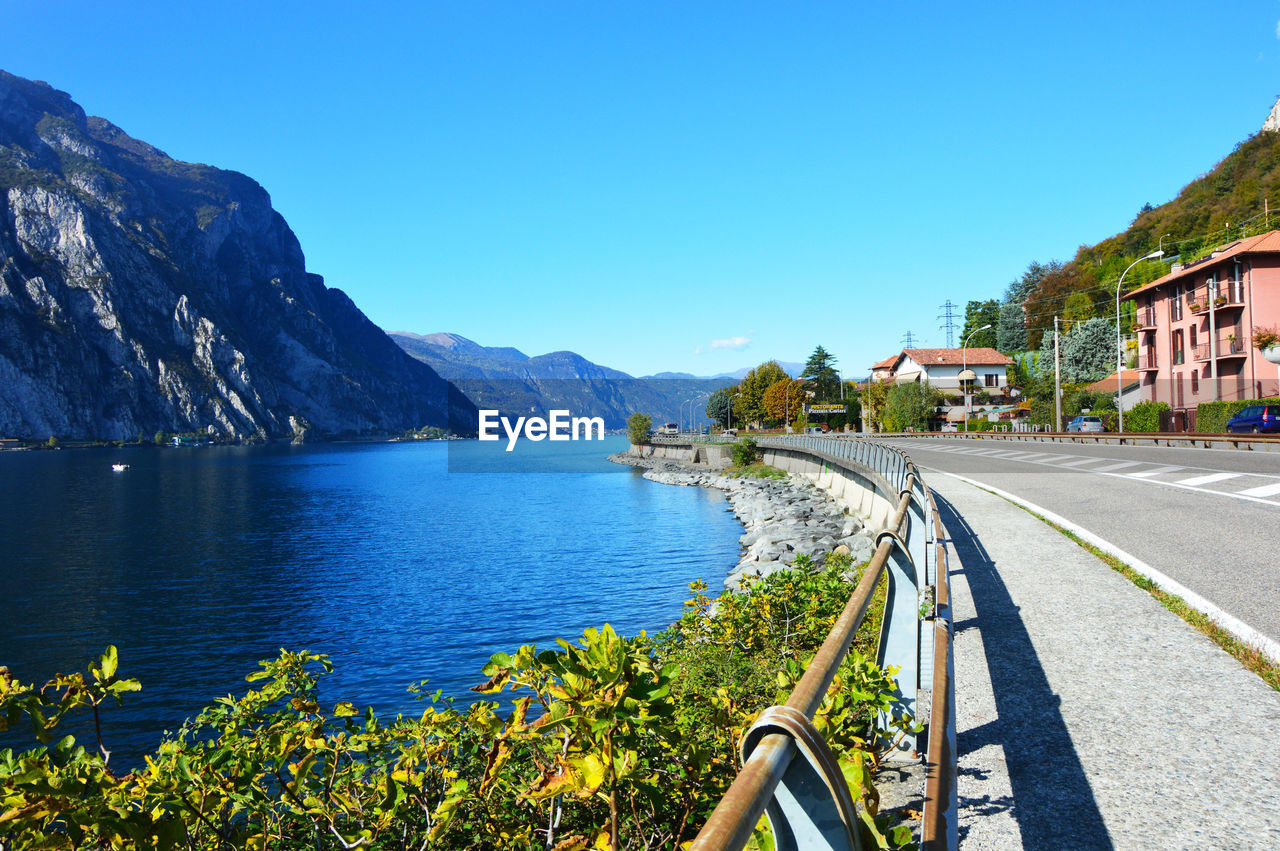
point(949, 322)
point(908, 341)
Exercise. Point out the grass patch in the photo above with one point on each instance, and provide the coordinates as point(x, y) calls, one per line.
point(755, 471)
point(1246, 654)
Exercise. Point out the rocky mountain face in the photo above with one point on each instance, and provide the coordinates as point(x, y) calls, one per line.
point(139, 293)
point(506, 379)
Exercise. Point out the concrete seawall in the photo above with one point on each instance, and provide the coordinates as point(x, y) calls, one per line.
point(854, 493)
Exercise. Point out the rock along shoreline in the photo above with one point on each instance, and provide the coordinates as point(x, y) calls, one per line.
point(782, 518)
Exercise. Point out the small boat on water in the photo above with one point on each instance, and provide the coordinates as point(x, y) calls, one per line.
point(119, 468)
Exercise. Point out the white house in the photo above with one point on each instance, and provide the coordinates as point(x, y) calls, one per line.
point(941, 368)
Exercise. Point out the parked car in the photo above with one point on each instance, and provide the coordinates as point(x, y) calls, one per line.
point(1086, 424)
point(1256, 419)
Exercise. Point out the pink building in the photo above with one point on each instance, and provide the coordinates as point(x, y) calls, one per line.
point(1194, 327)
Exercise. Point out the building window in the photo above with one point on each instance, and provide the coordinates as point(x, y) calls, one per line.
point(1178, 356)
point(989, 379)
point(1193, 337)
point(1177, 390)
point(1175, 304)
point(1195, 382)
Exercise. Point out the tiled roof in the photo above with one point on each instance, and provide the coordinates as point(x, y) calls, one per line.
point(1129, 378)
point(1263, 243)
point(977, 356)
point(886, 363)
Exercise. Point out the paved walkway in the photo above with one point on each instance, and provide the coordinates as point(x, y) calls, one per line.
point(1088, 716)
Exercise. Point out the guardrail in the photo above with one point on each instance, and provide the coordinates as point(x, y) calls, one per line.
point(1206, 440)
point(787, 770)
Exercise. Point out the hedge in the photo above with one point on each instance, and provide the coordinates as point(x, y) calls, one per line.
point(1145, 416)
point(1211, 417)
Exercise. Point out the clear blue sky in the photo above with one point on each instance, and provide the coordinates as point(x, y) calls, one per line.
point(675, 185)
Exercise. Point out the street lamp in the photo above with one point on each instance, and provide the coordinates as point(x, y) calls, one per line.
point(786, 409)
point(965, 374)
point(1159, 252)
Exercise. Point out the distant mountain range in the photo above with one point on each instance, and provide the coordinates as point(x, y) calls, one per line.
point(508, 380)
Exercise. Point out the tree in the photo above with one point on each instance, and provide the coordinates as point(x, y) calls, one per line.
point(909, 406)
point(638, 426)
point(784, 400)
point(821, 374)
point(1089, 352)
point(1011, 327)
point(1078, 308)
point(748, 405)
point(718, 406)
point(977, 314)
point(873, 398)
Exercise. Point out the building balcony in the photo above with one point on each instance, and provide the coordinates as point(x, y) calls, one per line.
point(1228, 349)
point(1147, 361)
point(1145, 319)
point(1229, 298)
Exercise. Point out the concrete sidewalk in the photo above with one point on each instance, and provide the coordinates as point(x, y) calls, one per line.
point(1088, 716)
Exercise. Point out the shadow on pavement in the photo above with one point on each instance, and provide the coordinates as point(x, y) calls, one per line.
point(1052, 800)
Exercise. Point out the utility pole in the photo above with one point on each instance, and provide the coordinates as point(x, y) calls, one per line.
point(948, 318)
point(1211, 290)
point(1057, 379)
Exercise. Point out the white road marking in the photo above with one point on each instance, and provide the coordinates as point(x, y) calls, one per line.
point(1265, 490)
point(1117, 466)
point(1080, 461)
point(1156, 472)
point(1209, 479)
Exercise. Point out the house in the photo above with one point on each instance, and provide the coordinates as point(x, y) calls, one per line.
point(1130, 388)
point(883, 371)
point(1194, 327)
point(941, 368)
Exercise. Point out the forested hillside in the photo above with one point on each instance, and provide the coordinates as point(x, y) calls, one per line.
point(1236, 198)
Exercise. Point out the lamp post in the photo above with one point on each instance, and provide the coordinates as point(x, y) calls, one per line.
point(964, 372)
point(1159, 252)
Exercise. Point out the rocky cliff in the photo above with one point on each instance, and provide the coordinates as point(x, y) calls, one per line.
point(139, 293)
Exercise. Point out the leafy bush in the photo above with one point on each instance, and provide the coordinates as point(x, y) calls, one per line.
point(1145, 416)
point(745, 452)
point(1211, 417)
point(608, 743)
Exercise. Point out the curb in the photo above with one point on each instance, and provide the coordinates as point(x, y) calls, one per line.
point(1241, 630)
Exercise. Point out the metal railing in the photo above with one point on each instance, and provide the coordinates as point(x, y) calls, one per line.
point(787, 771)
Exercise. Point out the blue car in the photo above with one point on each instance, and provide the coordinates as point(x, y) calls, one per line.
point(1256, 419)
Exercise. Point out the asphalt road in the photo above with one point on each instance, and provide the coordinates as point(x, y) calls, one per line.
point(1208, 518)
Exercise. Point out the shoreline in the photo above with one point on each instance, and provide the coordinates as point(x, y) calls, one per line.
point(781, 518)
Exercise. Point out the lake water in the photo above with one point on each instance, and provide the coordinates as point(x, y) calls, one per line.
point(197, 563)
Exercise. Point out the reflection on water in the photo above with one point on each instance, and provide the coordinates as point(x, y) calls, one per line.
point(197, 563)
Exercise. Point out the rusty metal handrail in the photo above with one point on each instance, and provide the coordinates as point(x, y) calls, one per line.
point(733, 820)
point(939, 828)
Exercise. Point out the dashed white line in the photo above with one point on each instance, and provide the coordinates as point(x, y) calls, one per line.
point(1265, 490)
point(1118, 466)
point(1209, 479)
point(1142, 474)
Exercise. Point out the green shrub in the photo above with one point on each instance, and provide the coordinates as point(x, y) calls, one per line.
point(1145, 416)
point(745, 452)
point(1211, 417)
point(616, 742)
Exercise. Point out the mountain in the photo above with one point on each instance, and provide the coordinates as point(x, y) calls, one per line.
point(139, 293)
point(507, 380)
point(1229, 202)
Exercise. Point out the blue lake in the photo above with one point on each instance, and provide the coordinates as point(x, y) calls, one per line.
point(197, 563)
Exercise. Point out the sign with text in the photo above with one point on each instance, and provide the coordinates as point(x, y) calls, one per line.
point(826, 408)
